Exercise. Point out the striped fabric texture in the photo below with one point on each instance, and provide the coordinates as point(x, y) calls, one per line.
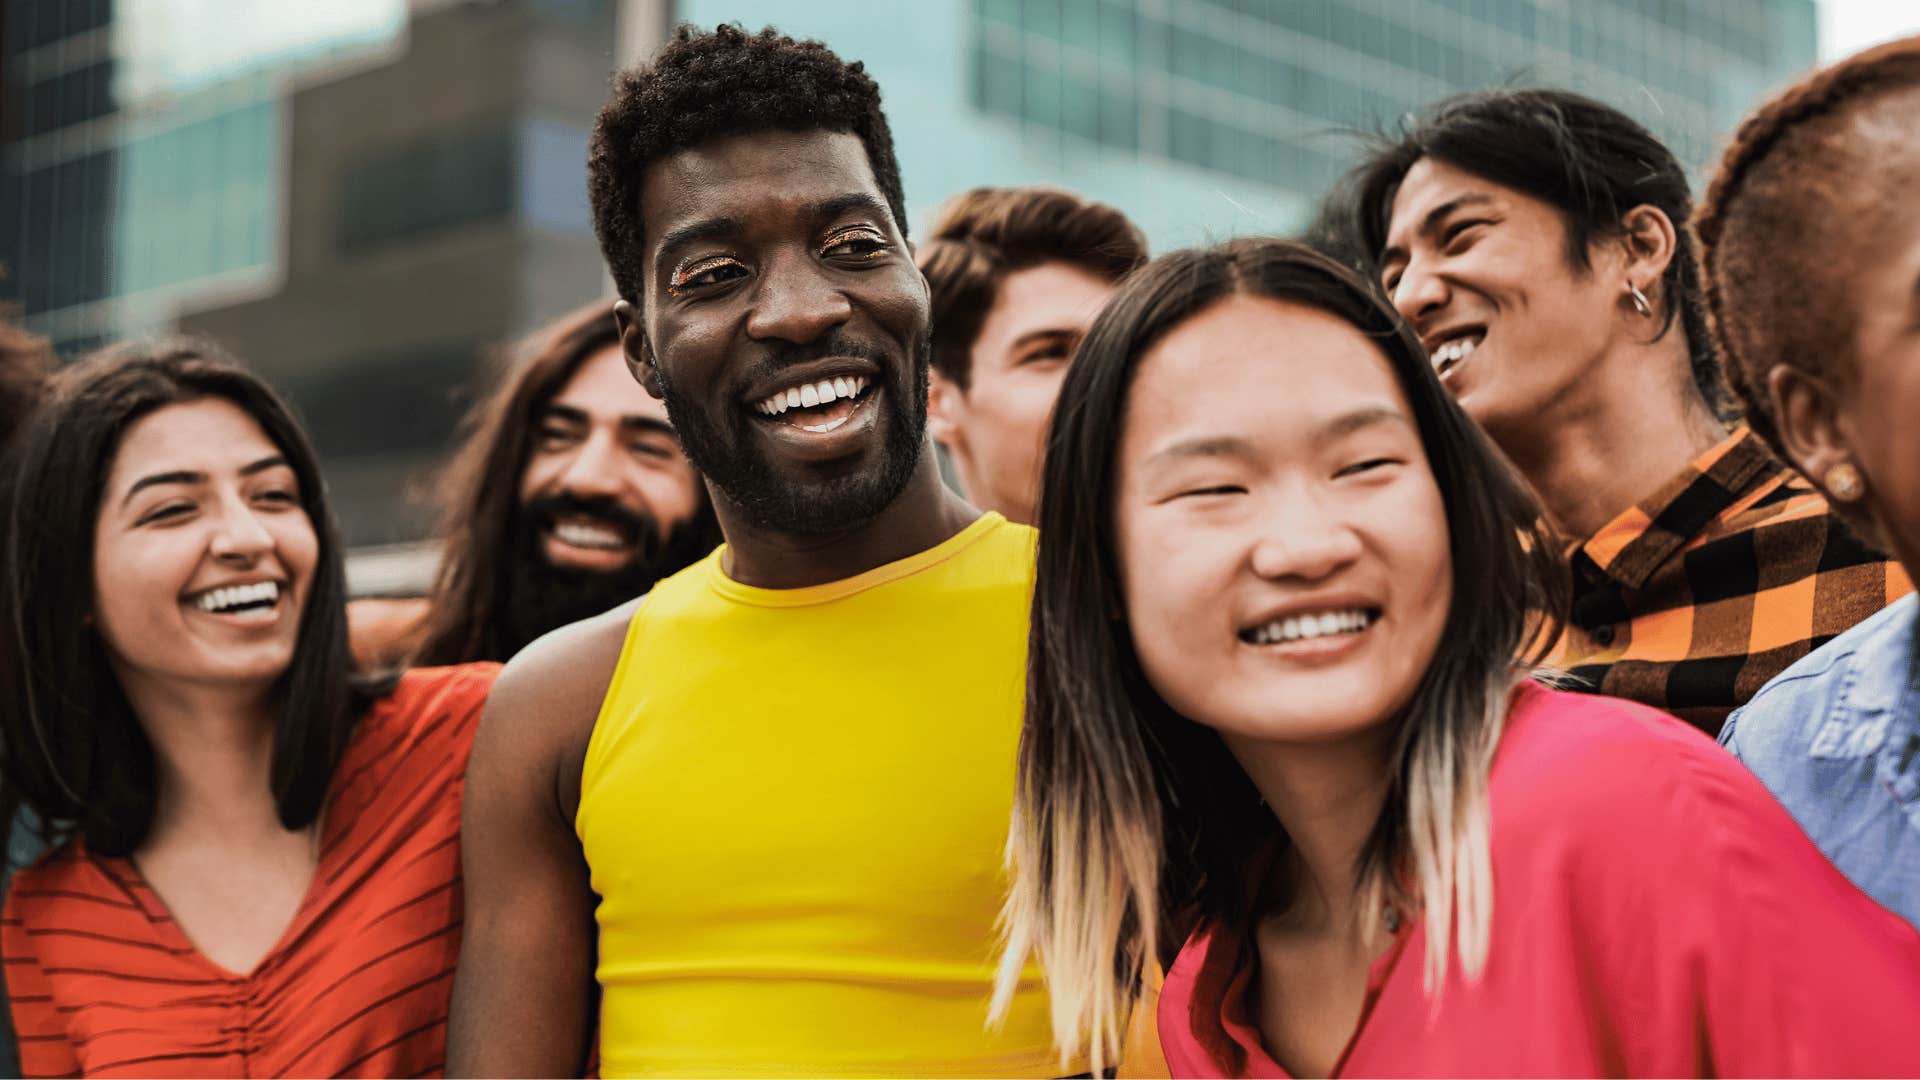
point(1693, 599)
point(103, 982)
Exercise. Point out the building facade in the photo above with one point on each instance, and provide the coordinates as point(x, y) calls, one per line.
point(361, 197)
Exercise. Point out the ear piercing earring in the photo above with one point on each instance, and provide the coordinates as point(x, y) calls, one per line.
point(1639, 300)
point(1844, 482)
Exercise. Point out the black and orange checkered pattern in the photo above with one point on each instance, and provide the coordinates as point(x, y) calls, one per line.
point(1693, 599)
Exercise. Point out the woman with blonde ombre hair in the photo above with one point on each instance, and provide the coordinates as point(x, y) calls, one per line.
point(1282, 739)
point(1810, 247)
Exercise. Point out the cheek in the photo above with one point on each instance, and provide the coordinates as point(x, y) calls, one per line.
point(542, 469)
point(298, 547)
point(1421, 557)
point(1177, 582)
point(137, 587)
point(672, 492)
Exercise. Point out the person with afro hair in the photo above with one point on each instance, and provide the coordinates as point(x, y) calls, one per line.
point(752, 823)
point(1810, 243)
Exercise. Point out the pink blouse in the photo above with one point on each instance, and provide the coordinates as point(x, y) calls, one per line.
point(1655, 913)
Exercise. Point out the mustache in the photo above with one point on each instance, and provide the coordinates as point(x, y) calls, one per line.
point(636, 526)
point(836, 343)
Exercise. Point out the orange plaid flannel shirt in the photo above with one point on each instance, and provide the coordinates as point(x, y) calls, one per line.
point(1693, 599)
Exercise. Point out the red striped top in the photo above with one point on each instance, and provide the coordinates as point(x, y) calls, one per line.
point(103, 982)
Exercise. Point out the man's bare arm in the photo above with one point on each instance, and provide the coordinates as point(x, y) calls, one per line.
point(524, 996)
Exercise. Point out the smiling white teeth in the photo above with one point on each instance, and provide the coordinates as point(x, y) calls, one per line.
point(234, 597)
point(589, 536)
point(1308, 627)
point(1454, 351)
point(809, 395)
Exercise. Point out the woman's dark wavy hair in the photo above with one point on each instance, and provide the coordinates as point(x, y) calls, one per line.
point(1122, 800)
point(706, 85)
point(480, 492)
point(74, 753)
point(1589, 160)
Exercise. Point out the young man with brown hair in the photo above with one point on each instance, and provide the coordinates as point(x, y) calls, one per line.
point(1017, 274)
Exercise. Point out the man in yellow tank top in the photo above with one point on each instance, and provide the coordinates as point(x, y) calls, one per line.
point(752, 824)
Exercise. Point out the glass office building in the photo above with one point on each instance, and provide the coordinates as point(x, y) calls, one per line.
point(1207, 118)
point(361, 196)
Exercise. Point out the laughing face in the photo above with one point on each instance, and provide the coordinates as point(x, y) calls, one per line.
point(1283, 543)
point(785, 327)
point(203, 553)
point(1481, 271)
point(606, 480)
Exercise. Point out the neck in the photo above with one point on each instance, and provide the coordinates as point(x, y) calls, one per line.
point(1328, 798)
point(1625, 430)
point(212, 751)
point(923, 515)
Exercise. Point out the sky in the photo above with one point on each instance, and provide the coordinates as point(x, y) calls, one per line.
point(1847, 26)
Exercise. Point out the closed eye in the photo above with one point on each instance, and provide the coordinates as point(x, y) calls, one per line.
point(165, 513)
point(1460, 235)
point(1217, 489)
point(1368, 465)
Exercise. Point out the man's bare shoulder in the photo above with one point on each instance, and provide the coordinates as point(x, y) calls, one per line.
point(548, 696)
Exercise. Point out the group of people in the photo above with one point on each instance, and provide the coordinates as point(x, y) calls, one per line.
point(1319, 675)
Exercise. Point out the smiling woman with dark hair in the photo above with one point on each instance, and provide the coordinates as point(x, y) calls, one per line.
point(255, 860)
point(1277, 710)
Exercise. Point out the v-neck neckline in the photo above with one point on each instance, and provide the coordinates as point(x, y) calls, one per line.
point(174, 936)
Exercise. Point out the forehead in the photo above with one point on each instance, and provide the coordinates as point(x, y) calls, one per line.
point(1432, 184)
point(1050, 295)
point(762, 177)
point(1258, 368)
point(210, 435)
point(603, 387)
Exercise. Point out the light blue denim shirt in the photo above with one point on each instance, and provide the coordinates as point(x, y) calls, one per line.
point(1836, 738)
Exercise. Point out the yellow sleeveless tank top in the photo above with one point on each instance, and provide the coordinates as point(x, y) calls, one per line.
point(794, 807)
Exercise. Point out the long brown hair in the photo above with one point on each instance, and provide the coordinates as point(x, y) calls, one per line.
point(1132, 823)
point(480, 490)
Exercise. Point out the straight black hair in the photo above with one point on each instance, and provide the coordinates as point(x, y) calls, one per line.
point(73, 752)
point(1589, 160)
point(1131, 822)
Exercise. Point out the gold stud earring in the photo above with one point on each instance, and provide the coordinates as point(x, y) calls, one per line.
point(1639, 298)
point(1845, 483)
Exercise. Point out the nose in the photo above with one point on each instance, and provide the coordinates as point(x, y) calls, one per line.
point(796, 302)
point(595, 467)
point(1304, 540)
point(239, 536)
point(1419, 294)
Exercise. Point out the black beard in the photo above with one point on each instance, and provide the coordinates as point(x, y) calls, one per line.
point(723, 450)
point(542, 597)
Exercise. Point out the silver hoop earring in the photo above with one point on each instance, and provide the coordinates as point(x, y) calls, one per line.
point(1639, 300)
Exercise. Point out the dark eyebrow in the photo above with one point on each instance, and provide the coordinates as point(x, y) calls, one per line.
point(1044, 334)
point(852, 200)
point(189, 476)
point(693, 231)
point(1202, 446)
point(647, 425)
point(631, 423)
point(1359, 419)
point(1431, 223)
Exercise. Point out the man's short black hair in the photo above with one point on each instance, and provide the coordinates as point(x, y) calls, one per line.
point(706, 86)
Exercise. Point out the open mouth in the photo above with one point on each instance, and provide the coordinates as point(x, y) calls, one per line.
point(1310, 626)
point(247, 599)
point(591, 534)
point(819, 406)
point(1453, 350)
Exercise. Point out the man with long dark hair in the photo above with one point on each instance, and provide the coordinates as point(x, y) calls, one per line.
point(1537, 241)
point(765, 804)
point(569, 496)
